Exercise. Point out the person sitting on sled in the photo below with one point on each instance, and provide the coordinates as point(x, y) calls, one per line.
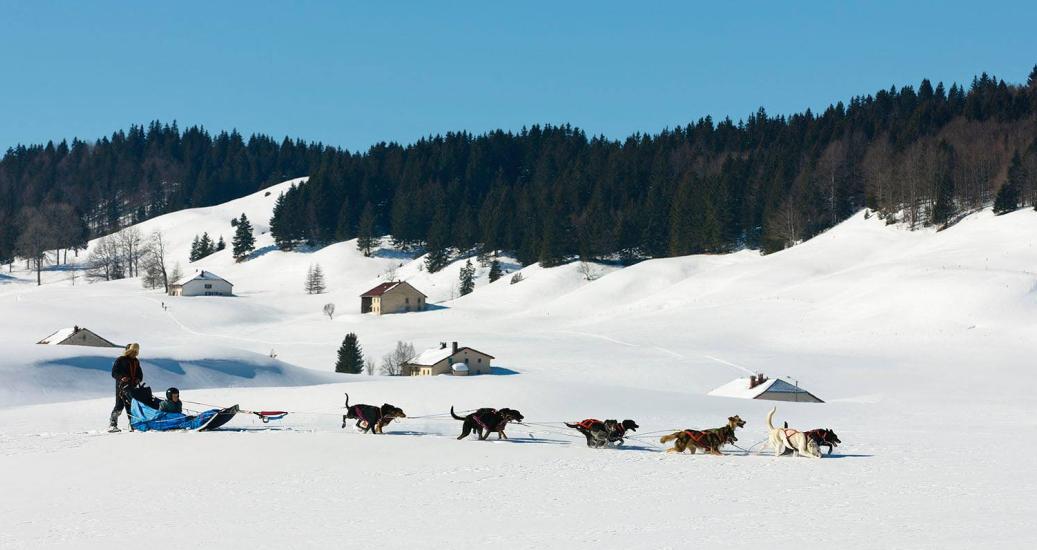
point(172, 403)
point(127, 374)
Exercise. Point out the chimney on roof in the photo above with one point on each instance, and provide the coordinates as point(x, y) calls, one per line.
point(453, 347)
point(442, 345)
point(752, 381)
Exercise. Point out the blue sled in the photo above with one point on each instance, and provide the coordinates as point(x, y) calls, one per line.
point(145, 419)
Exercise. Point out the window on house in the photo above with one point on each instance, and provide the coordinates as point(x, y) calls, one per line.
point(480, 359)
point(406, 300)
point(466, 360)
point(208, 285)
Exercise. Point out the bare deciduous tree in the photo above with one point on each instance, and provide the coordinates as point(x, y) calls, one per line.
point(155, 263)
point(329, 310)
point(392, 363)
point(134, 249)
point(38, 235)
point(104, 263)
point(587, 271)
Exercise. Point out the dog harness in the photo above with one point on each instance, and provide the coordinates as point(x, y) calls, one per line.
point(588, 423)
point(360, 414)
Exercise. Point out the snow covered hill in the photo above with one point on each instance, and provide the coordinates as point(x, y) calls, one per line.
point(920, 342)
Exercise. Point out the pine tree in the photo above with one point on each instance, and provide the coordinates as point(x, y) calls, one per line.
point(350, 356)
point(244, 241)
point(221, 244)
point(467, 278)
point(315, 280)
point(195, 249)
point(438, 253)
point(1008, 196)
point(205, 246)
point(282, 222)
point(495, 270)
point(366, 240)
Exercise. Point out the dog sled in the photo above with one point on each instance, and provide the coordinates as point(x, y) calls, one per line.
point(145, 415)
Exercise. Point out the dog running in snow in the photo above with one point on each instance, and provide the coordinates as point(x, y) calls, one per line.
point(600, 434)
point(370, 418)
point(824, 437)
point(787, 438)
point(709, 441)
point(486, 421)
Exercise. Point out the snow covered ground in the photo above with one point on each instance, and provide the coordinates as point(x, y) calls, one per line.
point(921, 343)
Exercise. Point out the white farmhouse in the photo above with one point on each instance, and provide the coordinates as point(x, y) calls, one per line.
point(201, 283)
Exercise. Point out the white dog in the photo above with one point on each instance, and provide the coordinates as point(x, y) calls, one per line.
point(782, 438)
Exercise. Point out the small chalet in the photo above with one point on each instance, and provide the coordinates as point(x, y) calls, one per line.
point(758, 386)
point(201, 283)
point(392, 297)
point(77, 336)
point(458, 361)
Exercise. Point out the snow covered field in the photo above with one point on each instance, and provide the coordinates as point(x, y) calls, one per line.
point(921, 343)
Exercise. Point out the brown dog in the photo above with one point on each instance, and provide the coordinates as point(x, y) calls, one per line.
point(707, 440)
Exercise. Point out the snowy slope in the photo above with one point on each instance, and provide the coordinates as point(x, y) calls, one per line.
point(921, 344)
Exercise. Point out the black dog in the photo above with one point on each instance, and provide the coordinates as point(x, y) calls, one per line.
point(370, 418)
point(824, 437)
point(600, 434)
point(486, 421)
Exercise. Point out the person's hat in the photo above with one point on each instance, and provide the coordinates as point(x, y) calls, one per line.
point(171, 391)
point(133, 348)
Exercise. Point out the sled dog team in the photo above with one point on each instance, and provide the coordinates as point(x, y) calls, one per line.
point(486, 421)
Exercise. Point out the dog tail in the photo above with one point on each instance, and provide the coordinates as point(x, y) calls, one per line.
point(670, 437)
point(347, 400)
point(461, 418)
point(770, 418)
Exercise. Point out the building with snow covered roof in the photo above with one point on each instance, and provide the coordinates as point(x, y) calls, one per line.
point(392, 297)
point(761, 387)
point(201, 283)
point(448, 359)
point(77, 336)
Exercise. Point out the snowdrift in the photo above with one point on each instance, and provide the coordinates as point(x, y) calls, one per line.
point(44, 374)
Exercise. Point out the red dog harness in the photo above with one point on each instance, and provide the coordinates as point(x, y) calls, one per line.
point(588, 423)
point(696, 436)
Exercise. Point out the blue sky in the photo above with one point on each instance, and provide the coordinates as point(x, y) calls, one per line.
point(353, 74)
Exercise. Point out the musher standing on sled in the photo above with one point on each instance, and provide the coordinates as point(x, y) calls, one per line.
point(127, 374)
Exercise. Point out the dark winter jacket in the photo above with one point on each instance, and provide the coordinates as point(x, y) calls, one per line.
point(171, 406)
point(129, 368)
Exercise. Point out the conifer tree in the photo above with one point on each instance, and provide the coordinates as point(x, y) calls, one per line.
point(315, 280)
point(350, 356)
point(205, 246)
point(366, 240)
point(1008, 196)
point(220, 245)
point(281, 224)
point(495, 270)
point(244, 241)
point(195, 249)
point(467, 278)
point(437, 248)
